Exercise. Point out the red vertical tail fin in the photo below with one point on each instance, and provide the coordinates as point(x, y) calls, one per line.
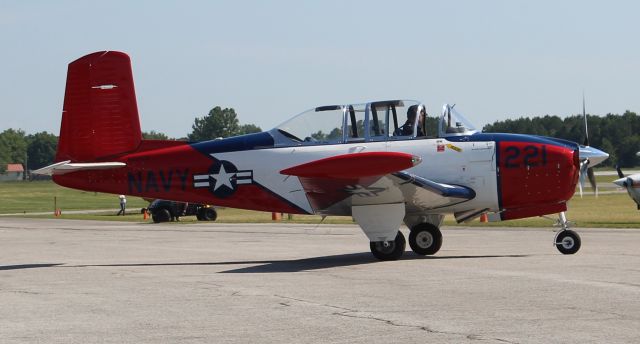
point(100, 114)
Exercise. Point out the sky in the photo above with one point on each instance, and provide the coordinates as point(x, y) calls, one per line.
point(270, 60)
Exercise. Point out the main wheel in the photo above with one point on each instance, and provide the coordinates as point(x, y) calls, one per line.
point(389, 250)
point(425, 239)
point(161, 215)
point(207, 214)
point(568, 242)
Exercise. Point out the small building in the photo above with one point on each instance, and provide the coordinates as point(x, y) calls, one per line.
point(13, 172)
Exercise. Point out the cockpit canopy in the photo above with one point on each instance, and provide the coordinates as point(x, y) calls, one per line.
point(375, 121)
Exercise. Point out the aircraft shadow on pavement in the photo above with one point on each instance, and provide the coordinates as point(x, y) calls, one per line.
point(26, 266)
point(341, 260)
point(271, 266)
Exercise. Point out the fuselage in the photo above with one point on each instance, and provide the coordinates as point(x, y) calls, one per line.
point(516, 174)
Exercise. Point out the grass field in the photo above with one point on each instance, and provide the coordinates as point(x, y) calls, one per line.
point(38, 196)
point(608, 210)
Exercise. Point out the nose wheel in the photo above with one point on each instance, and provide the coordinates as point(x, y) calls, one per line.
point(389, 250)
point(566, 241)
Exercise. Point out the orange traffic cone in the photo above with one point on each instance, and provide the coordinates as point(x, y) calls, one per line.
point(276, 216)
point(484, 217)
point(145, 215)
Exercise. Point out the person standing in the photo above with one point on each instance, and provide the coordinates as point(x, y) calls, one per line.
point(123, 205)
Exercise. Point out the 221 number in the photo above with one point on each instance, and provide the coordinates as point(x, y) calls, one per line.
point(512, 155)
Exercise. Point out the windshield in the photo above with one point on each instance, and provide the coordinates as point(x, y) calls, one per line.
point(453, 123)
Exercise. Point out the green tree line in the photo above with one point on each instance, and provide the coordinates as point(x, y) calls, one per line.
point(217, 123)
point(618, 135)
point(32, 151)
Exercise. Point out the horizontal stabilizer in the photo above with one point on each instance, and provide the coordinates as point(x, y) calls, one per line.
point(68, 166)
point(355, 165)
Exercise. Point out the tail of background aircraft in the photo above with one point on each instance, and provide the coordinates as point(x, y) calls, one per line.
point(100, 115)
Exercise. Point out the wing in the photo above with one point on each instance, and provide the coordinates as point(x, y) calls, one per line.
point(333, 185)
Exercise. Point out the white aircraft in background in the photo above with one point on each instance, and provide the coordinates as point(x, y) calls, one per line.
point(631, 183)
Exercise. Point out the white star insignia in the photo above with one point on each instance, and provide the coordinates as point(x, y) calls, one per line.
point(222, 178)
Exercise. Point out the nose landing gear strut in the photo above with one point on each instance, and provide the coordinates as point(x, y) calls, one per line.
point(566, 240)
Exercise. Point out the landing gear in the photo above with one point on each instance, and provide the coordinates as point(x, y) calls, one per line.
point(425, 239)
point(566, 241)
point(161, 215)
point(389, 250)
point(207, 214)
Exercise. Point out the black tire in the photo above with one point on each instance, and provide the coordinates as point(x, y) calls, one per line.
point(161, 215)
point(568, 242)
point(391, 251)
point(207, 214)
point(425, 239)
point(199, 215)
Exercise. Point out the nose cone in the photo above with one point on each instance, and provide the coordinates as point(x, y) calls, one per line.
point(620, 182)
point(594, 155)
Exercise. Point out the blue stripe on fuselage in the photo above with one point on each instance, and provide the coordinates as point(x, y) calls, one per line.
point(498, 137)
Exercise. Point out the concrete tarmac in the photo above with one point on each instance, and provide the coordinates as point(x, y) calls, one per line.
point(66, 281)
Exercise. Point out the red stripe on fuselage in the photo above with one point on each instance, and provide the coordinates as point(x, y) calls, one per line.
point(168, 173)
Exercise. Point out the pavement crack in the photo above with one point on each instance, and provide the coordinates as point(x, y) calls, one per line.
point(314, 303)
point(421, 327)
point(387, 321)
point(356, 314)
point(24, 292)
point(479, 337)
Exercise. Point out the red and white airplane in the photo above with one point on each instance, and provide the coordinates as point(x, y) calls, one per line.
point(354, 160)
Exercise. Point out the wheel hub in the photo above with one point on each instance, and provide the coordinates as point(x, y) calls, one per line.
point(424, 239)
point(386, 246)
point(567, 242)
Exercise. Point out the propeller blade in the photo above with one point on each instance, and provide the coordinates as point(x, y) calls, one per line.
point(628, 184)
point(620, 174)
point(580, 184)
point(592, 180)
point(586, 129)
point(584, 166)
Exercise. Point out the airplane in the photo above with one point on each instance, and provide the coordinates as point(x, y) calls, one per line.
point(354, 160)
point(631, 183)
